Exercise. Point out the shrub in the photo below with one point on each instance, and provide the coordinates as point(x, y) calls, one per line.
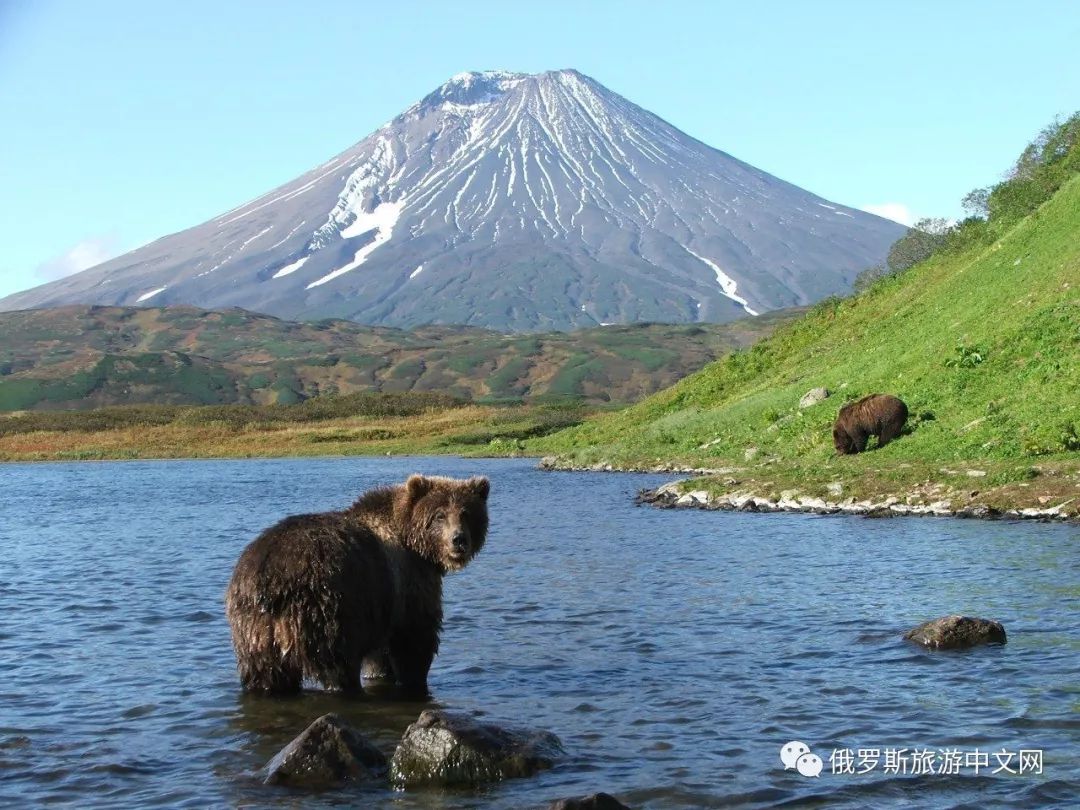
point(1070, 440)
point(976, 203)
point(1051, 159)
point(918, 244)
point(867, 277)
point(966, 234)
point(1042, 168)
point(966, 357)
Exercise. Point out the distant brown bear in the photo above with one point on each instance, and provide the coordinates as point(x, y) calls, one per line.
point(881, 415)
point(315, 594)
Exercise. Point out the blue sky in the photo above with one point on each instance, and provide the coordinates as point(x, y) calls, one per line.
point(125, 121)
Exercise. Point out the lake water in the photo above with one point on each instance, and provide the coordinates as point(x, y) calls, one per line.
point(674, 652)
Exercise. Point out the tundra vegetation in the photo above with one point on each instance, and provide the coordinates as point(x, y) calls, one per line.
point(84, 357)
point(357, 424)
point(235, 383)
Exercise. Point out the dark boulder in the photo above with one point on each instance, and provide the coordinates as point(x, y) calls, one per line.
point(327, 753)
point(956, 633)
point(452, 748)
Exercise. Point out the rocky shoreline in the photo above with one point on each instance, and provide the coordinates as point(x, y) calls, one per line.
point(674, 495)
point(671, 496)
point(556, 464)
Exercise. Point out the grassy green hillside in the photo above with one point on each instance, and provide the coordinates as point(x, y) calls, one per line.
point(87, 357)
point(982, 342)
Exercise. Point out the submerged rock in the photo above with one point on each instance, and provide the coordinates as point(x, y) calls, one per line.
point(597, 801)
point(956, 633)
point(813, 397)
point(452, 748)
point(327, 753)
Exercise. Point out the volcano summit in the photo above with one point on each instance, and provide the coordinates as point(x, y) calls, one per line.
point(512, 201)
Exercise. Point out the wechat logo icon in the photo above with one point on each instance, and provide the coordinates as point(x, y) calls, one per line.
point(797, 755)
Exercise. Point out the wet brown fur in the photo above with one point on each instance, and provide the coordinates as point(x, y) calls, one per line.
point(881, 415)
point(314, 594)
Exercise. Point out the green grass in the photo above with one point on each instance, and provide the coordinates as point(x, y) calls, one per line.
point(568, 382)
point(507, 429)
point(505, 383)
point(982, 344)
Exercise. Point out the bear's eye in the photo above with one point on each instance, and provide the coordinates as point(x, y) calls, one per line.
point(440, 515)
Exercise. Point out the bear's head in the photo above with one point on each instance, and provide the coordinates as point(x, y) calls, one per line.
point(447, 518)
point(842, 442)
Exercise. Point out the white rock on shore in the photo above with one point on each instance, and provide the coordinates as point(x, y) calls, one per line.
point(671, 495)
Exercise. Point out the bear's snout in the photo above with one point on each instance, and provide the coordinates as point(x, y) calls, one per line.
point(460, 547)
point(460, 542)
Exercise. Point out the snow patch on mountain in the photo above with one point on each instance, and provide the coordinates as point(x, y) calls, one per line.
point(288, 236)
point(382, 221)
point(247, 242)
point(147, 296)
point(291, 268)
point(383, 217)
point(726, 282)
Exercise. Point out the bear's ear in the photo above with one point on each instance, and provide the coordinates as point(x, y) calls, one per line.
point(418, 486)
point(481, 486)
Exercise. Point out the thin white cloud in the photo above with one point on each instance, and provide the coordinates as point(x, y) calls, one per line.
point(83, 255)
point(897, 212)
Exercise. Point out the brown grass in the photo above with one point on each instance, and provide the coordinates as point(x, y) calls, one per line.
point(432, 432)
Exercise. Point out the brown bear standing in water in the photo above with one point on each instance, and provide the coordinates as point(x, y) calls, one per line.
point(881, 415)
point(315, 594)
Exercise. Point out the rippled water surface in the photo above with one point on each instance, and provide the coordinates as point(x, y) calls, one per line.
point(674, 652)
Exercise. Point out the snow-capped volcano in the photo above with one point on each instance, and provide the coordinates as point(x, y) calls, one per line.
point(512, 201)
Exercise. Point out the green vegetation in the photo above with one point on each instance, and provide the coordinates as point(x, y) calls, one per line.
point(570, 379)
point(504, 432)
point(981, 339)
point(87, 357)
point(506, 382)
point(1045, 165)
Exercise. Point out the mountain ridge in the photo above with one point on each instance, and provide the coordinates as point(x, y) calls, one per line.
point(512, 201)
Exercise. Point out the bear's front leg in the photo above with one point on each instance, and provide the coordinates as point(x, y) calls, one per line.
point(377, 667)
point(411, 654)
point(888, 433)
point(859, 440)
point(344, 681)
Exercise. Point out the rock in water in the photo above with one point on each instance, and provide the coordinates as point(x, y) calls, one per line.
point(597, 801)
point(326, 754)
point(956, 633)
point(452, 748)
point(813, 397)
